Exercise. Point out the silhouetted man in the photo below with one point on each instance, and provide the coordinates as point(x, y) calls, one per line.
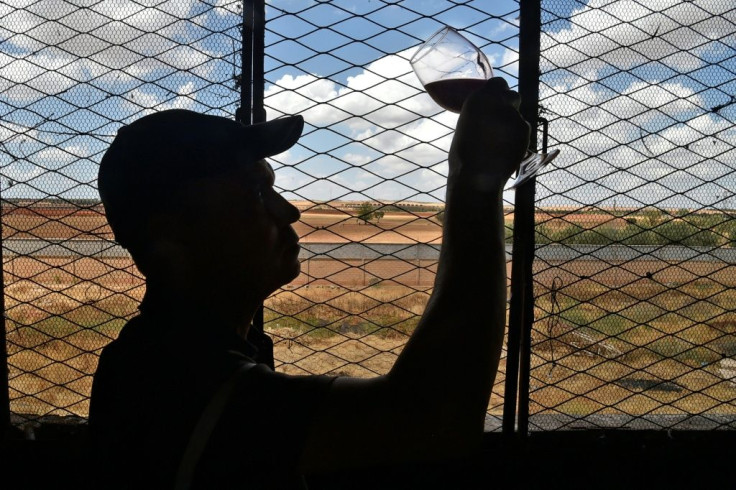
point(181, 396)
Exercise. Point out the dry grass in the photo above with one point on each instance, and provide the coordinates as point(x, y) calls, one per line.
point(54, 335)
point(637, 338)
point(333, 330)
point(591, 362)
point(333, 227)
point(654, 345)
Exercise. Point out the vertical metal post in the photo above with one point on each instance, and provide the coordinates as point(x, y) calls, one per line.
point(514, 336)
point(259, 47)
point(257, 78)
point(243, 114)
point(4, 372)
point(522, 286)
point(529, 45)
point(252, 111)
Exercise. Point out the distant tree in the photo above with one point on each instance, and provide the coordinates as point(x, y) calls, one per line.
point(440, 217)
point(652, 216)
point(367, 212)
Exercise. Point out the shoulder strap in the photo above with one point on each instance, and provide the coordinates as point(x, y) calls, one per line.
point(206, 424)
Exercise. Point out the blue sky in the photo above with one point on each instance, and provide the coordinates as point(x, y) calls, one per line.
point(66, 85)
point(634, 104)
point(396, 148)
point(69, 77)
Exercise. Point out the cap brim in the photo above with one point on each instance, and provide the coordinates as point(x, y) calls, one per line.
point(275, 136)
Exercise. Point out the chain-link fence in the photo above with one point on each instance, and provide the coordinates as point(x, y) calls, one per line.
point(71, 73)
point(636, 226)
point(635, 222)
point(367, 174)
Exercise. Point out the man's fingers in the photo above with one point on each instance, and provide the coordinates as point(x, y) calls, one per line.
point(496, 91)
point(514, 99)
point(496, 84)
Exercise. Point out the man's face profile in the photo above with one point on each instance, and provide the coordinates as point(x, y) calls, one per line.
point(192, 197)
point(240, 231)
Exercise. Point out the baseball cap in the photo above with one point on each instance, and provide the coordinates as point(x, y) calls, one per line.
point(150, 157)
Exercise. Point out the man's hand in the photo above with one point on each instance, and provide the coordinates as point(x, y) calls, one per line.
point(491, 136)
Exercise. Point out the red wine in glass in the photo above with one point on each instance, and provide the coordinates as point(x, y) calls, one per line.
point(451, 68)
point(450, 93)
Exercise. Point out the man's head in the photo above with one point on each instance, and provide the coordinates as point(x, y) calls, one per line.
point(198, 185)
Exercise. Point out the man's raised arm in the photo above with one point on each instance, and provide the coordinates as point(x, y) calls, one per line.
point(432, 403)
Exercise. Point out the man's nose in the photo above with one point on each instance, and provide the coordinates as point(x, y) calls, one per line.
point(285, 211)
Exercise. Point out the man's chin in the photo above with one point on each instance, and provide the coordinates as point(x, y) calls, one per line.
point(296, 270)
point(293, 263)
point(288, 272)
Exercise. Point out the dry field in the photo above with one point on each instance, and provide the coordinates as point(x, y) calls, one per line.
point(650, 345)
point(330, 226)
point(62, 311)
point(55, 332)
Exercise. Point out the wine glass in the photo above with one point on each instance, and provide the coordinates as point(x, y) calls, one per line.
point(451, 68)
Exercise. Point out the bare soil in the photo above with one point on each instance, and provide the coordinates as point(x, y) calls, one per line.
point(353, 318)
point(314, 226)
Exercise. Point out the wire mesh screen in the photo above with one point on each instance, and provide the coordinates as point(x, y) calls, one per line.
point(70, 74)
point(368, 173)
point(635, 275)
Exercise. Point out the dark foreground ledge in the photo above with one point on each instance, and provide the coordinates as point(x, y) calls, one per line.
point(591, 459)
point(587, 459)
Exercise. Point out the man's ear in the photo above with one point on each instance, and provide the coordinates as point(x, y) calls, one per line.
point(163, 254)
point(168, 260)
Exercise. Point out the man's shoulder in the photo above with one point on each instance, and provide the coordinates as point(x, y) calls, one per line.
point(202, 362)
point(278, 392)
point(269, 413)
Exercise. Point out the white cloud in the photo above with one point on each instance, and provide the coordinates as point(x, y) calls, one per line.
point(510, 62)
point(356, 159)
point(10, 131)
point(52, 156)
point(228, 7)
point(387, 91)
point(660, 95)
point(156, 101)
point(598, 120)
point(385, 108)
point(83, 27)
point(36, 75)
point(622, 128)
point(58, 43)
point(23, 172)
point(654, 30)
point(307, 95)
point(288, 158)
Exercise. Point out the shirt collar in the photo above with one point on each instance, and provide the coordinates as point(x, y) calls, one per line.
point(181, 326)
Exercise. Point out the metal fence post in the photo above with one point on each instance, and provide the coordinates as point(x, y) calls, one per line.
point(243, 113)
point(252, 86)
point(259, 53)
point(258, 112)
point(521, 314)
point(4, 372)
